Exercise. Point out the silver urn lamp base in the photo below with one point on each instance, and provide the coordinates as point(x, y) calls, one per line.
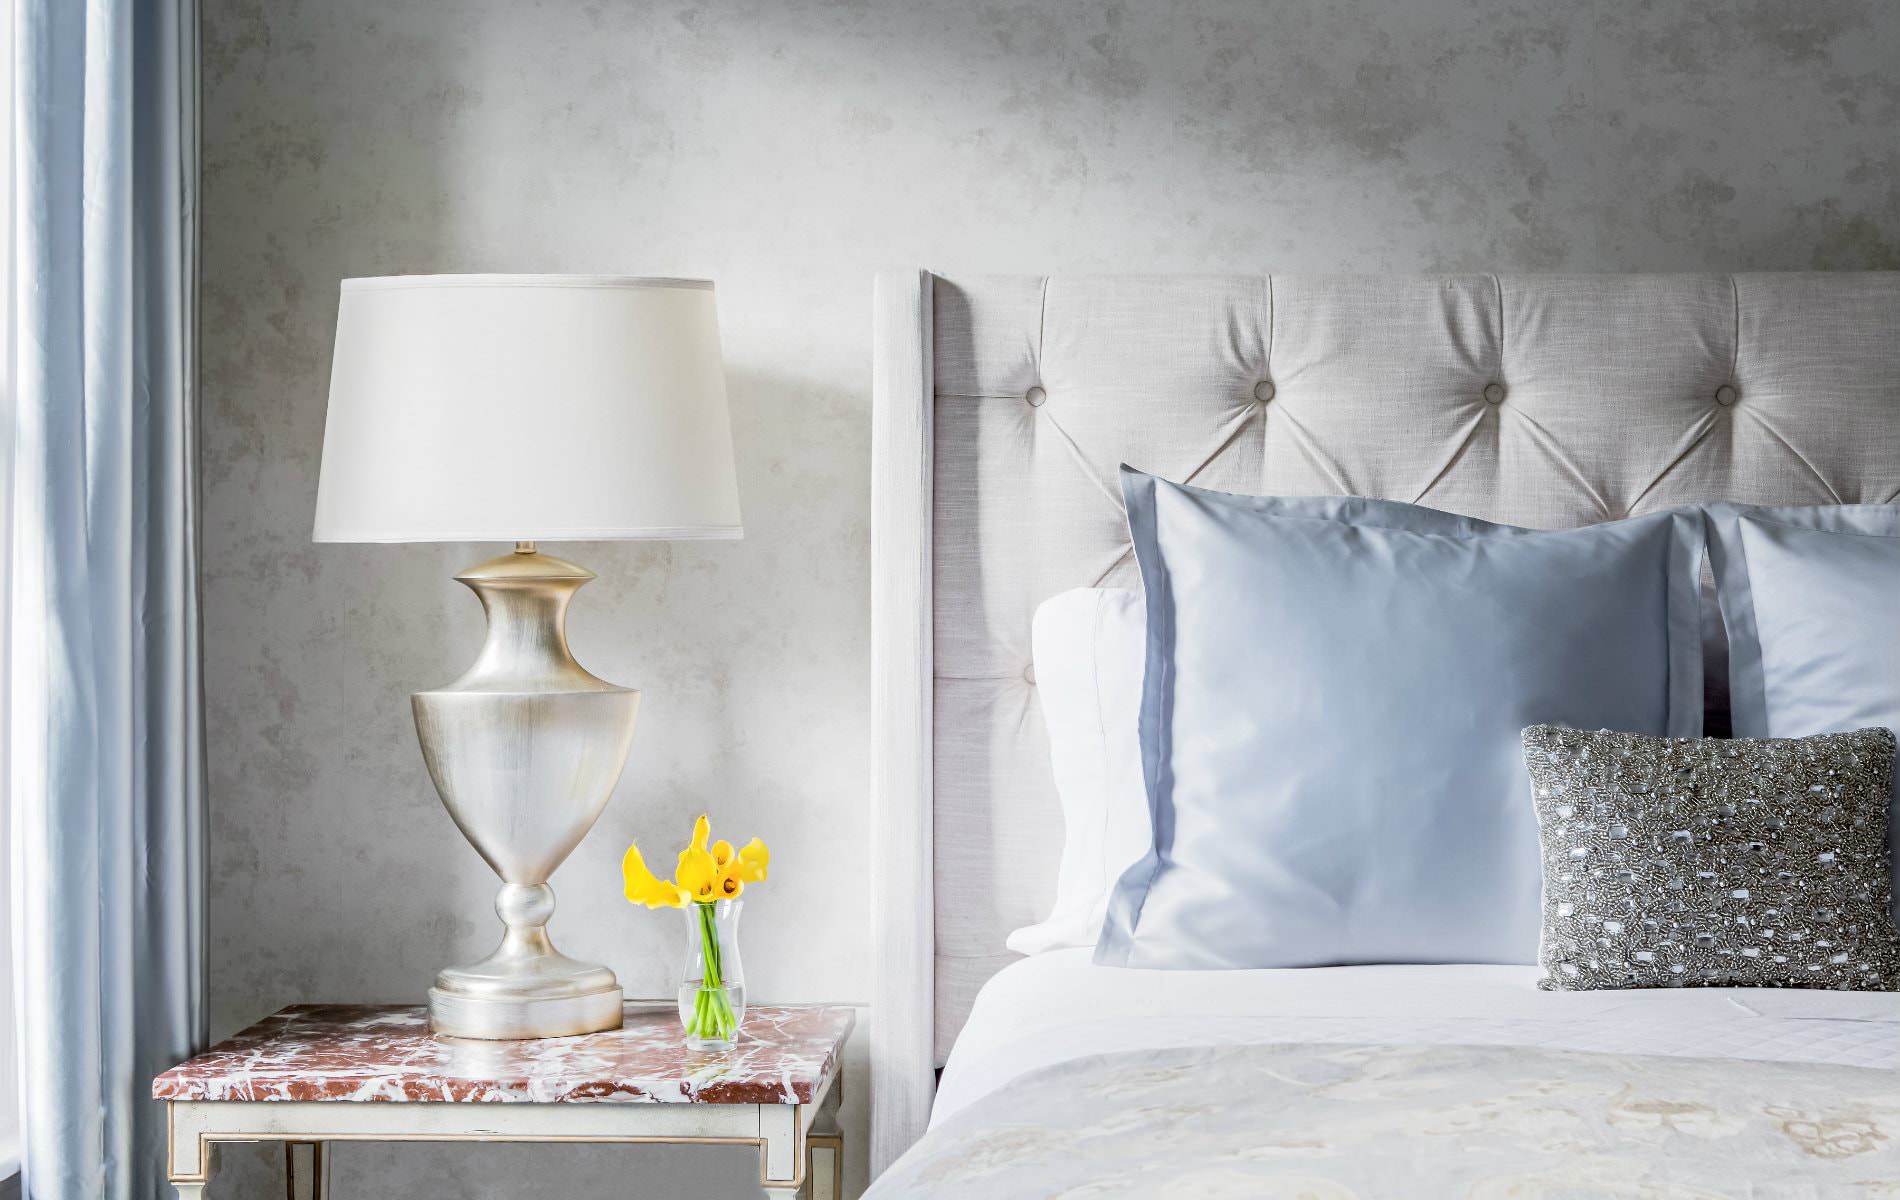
point(525, 750)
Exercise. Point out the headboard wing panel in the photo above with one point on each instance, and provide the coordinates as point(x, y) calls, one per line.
point(1548, 401)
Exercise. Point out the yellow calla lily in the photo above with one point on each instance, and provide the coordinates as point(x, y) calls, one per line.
point(753, 861)
point(704, 875)
point(731, 880)
point(699, 875)
point(643, 887)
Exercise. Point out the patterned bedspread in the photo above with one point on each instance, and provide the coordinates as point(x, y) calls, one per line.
point(1326, 1122)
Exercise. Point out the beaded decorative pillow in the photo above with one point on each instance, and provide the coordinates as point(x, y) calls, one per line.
point(1675, 862)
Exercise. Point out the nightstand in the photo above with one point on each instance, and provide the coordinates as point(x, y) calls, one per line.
point(314, 1074)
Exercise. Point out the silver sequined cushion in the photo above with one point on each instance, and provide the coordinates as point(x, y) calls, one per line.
point(1684, 861)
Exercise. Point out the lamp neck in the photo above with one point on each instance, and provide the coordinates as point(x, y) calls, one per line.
point(526, 595)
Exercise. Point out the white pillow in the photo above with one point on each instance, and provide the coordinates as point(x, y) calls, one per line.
point(1087, 646)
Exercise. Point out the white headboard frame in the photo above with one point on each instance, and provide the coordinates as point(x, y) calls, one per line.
point(1003, 405)
point(903, 873)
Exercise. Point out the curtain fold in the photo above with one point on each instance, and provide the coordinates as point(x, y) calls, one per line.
point(105, 757)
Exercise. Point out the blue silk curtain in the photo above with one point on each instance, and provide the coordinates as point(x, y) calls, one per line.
point(104, 746)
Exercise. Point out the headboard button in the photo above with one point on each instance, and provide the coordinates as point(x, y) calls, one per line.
point(1035, 396)
point(1263, 391)
point(1725, 395)
point(1494, 393)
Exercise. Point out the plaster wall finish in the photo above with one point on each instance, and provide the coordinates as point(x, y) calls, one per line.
point(787, 150)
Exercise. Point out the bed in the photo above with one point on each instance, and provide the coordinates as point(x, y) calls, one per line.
point(1003, 406)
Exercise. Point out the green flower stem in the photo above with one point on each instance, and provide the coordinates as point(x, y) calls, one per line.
point(713, 1016)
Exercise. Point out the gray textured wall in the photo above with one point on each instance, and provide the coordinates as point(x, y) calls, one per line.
point(788, 150)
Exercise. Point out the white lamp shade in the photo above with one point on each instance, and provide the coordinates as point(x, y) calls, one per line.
point(526, 408)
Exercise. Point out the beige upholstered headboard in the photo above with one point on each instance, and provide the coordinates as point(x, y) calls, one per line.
point(1004, 404)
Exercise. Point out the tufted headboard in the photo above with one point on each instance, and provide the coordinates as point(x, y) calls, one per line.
point(1004, 404)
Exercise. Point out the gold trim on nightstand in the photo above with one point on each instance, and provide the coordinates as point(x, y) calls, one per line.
point(783, 1130)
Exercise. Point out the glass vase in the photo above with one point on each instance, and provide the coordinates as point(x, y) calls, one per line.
point(712, 993)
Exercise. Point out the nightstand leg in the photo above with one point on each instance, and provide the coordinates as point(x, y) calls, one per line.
point(824, 1150)
point(188, 1156)
point(307, 1168)
point(824, 1167)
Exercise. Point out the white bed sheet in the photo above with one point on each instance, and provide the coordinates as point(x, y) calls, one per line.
point(1059, 1006)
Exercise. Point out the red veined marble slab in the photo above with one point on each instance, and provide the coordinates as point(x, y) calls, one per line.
point(362, 1052)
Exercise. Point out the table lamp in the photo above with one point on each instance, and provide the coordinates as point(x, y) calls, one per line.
point(526, 409)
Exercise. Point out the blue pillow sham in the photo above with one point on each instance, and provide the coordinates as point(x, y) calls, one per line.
point(1330, 719)
point(1811, 599)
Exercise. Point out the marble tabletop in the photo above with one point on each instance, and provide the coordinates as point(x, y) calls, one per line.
point(360, 1052)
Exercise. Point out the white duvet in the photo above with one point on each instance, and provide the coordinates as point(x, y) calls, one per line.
point(1058, 1007)
point(1292, 1121)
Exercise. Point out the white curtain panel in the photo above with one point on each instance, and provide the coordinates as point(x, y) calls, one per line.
point(104, 734)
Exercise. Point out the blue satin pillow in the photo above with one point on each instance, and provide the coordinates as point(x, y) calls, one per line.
point(1089, 660)
point(1811, 599)
point(1331, 714)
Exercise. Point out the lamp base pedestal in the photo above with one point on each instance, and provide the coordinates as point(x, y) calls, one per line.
point(526, 988)
point(503, 1018)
